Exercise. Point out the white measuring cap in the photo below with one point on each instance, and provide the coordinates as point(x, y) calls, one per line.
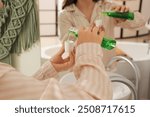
point(98, 22)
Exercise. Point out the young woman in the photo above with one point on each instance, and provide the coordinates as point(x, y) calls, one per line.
point(92, 81)
point(84, 13)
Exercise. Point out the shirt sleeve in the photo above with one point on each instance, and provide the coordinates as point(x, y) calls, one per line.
point(136, 24)
point(5, 68)
point(90, 72)
point(92, 80)
point(14, 85)
point(46, 71)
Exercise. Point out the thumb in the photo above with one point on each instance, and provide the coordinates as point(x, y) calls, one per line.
point(71, 60)
point(61, 51)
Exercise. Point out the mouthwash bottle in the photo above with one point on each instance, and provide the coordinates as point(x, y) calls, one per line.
point(107, 42)
point(122, 15)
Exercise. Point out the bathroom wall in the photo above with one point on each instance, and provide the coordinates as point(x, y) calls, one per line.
point(47, 17)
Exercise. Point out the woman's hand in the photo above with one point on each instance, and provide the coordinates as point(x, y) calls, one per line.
point(61, 64)
point(122, 9)
point(92, 34)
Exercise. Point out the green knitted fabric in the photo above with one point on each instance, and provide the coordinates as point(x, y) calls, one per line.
point(21, 29)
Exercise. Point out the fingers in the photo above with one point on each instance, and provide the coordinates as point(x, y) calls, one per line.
point(101, 35)
point(66, 59)
point(91, 34)
point(69, 62)
point(127, 9)
point(96, 30)
point(101, 30)
point(91, 27)
point(71, 56)
point(117, 8)
point(65, 64)
point(87, 28)
point(124, 9)
point(61, 51)
point(120, 8)
point(57, 58)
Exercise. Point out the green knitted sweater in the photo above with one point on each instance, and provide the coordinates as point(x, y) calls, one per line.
point(19, 27)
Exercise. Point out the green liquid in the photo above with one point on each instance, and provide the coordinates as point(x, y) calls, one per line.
point(125, 15)
point(107, 43)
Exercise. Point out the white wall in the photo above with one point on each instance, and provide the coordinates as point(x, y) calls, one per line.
point(47, 17)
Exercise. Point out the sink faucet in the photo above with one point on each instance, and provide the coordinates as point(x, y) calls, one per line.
point(132, 64)
point(148, 51)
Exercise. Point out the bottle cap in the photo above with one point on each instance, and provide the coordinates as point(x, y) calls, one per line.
point(73, 31)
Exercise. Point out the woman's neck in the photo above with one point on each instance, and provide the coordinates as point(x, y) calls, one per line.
point(85, 3)
point(86, 7)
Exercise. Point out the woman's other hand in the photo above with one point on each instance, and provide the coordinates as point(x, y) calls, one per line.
point(92, 34)
point(121, 9)
point(61, 64)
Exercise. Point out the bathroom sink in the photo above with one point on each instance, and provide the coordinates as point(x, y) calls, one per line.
point(141, 57)
point(49, 51)
point(120, 90)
